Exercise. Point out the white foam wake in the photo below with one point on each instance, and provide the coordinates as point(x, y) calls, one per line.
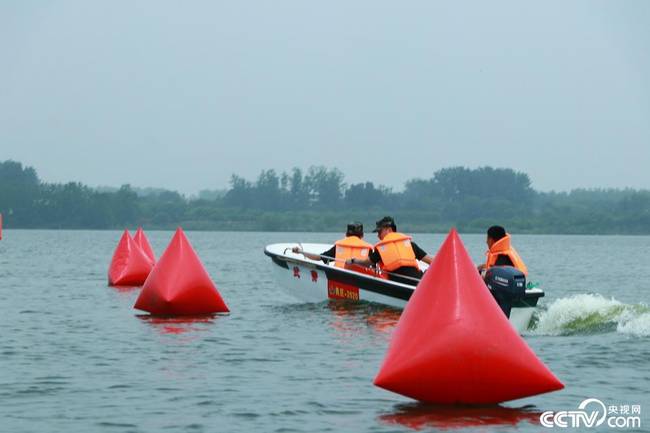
point(593, 313)
point(639, 326)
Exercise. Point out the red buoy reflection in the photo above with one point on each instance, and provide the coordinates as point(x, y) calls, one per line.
point(125, 289)
point(178, 324)
point(351, 320)
point(384, 320)
point(419, 416)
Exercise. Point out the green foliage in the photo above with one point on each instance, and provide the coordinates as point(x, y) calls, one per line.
point(320, 200)
point(19, 190)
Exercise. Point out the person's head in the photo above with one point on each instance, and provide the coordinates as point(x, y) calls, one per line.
point(355, 229)
point(494, 234)
point(384, 226)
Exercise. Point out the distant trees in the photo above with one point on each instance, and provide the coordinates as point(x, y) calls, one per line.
point(458, 182)
point(482, 193)
point(299, 189)
point(320, 199)
point(19, 190)
point(367, 195)
point(460, 194)
point(211, 194)
point(319, 188)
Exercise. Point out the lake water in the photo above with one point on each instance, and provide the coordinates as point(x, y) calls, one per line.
point(76, 357)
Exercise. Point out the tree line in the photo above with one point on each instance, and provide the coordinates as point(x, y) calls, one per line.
point(319, 199)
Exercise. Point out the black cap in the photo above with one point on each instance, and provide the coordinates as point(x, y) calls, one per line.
point(385, 222)
point(355, 229)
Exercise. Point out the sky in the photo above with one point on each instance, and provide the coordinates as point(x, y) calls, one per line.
point(181, 95)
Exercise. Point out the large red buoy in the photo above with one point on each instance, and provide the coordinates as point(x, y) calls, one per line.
point(179, 284)
point(141, 239)
point(454, 345)
point(129, 266)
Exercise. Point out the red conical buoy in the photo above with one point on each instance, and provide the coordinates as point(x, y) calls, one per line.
point(454, 345)
point(129, 266)
point(141, 239)
point(179, 284)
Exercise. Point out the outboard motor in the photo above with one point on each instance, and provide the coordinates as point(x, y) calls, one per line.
point(507, 285)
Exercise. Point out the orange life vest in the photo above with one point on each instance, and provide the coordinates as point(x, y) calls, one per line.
point(502, 247)
point(396, 251)
point(351, 247)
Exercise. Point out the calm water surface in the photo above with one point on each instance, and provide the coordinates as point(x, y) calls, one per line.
point(76, 357)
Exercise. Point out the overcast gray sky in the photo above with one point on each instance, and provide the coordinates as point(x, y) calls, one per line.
point(182, 94)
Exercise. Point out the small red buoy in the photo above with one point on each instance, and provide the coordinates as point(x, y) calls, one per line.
point(454, 345)
point(179, 284)
point(141, 239)
point(129, 266)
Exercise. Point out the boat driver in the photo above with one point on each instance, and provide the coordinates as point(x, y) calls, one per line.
point(351, 247)
point(395, 254)
point(500, 251)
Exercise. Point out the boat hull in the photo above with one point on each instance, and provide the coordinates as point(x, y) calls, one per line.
point(312, 281)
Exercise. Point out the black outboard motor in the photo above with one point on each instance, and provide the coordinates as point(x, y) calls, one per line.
point(507, 285)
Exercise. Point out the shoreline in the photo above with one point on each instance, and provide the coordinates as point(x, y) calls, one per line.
point(337, 232)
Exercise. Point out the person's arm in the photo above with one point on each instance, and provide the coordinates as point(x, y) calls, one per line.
point(328, 255)
point(372, 259)
point(360, 262)
point(311, 256)
point(421, 255)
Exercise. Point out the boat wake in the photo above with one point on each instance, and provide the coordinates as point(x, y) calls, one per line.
point(591, 314)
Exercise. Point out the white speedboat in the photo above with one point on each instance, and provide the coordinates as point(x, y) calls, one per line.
point(316, 281)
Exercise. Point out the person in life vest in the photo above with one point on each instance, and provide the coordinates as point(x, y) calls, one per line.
point(351, 247)
point(395, 254)
point(500, 251)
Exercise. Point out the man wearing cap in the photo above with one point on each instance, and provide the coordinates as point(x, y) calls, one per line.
point(351, 247)
point(395, 254)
